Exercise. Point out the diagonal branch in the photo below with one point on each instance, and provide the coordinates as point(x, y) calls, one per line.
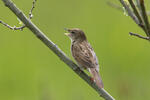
point(130, 13)
point(139, 36)
point(118, 7)
point(137, 14)
point(140, 19)
point(40, 35)
point(144, 15)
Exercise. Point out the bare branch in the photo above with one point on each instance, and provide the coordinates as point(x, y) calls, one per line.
point(135, 10)
point(139, 36)
point(33, 6)
point(23, 26)
point(113, 5)
point(144, 16)
point(130, 13)
point(137, 15)
point(12, 28)
point(140, 19)
point(40, 35)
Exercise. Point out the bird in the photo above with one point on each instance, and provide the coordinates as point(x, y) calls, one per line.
point(84, 54)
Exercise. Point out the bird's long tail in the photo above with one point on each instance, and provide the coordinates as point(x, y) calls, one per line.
point(97, 77)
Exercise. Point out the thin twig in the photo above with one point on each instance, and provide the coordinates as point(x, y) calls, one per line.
point(12, 28)
point(144, 16)
point(135, 11)
point(141, 21)
point(23, 26)
point(137, 15)
point(33, 6)
point(130, 13)
point(113, 5)
point(55, 49)
point(139, 36)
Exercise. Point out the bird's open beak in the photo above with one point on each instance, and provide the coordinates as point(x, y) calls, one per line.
point(67, 34)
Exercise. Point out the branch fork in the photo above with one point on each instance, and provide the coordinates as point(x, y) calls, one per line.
point(23, 26)
point(138, 13)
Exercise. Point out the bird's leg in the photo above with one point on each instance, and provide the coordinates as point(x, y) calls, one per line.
point(91, 78)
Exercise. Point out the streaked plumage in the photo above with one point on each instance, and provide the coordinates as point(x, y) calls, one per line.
point(84, 54)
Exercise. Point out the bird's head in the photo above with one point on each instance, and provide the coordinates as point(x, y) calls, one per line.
point(75, 34)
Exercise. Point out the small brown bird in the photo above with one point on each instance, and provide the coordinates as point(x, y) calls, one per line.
point(84, 54)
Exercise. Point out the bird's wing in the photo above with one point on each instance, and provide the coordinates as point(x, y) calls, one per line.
point(84, 55)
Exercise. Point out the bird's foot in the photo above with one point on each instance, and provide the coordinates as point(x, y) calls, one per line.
point(92, 79)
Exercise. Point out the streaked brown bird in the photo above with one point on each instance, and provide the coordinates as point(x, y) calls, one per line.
point(84, 54)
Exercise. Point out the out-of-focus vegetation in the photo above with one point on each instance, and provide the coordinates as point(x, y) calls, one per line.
point(30, 71)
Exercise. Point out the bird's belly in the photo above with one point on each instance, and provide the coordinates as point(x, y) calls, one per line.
point(81, 66)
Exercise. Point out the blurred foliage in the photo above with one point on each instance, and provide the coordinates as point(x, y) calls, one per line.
point(30, 71)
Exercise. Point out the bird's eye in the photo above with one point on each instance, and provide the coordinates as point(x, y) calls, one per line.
point(73, 32)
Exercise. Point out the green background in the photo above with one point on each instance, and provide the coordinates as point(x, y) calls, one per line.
point(30, 71)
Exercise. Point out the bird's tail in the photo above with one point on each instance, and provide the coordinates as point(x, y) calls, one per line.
point(97, 77)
